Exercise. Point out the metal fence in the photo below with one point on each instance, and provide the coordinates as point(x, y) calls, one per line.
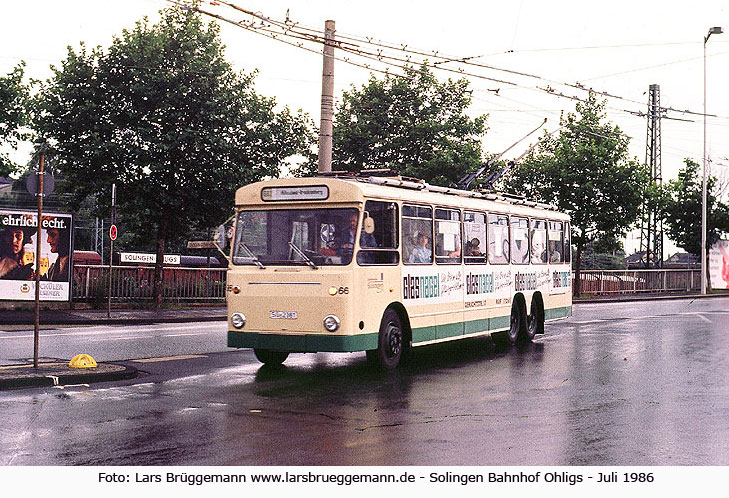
point(132, 283)
point(606, 282)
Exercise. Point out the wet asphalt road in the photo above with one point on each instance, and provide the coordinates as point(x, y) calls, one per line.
point(618, 384)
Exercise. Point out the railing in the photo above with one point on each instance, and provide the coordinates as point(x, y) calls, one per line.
point(607, 282)
point(132, 283)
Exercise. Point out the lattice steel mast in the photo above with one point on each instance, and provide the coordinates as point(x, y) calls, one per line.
point(651, 232)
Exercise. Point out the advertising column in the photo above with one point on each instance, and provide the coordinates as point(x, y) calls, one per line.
point(19, 261)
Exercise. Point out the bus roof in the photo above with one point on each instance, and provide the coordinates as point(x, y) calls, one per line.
point(300, 192)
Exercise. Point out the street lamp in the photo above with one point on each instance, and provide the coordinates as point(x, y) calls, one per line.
point(716, 30)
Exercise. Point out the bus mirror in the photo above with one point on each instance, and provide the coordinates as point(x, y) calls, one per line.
point(368, 224)
point(222, 235)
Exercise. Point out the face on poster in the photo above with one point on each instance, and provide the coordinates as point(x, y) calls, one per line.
point(19, 262)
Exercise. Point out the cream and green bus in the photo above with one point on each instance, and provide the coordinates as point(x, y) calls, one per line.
point(383, 265)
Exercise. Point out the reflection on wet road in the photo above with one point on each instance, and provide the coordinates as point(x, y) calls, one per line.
point(618, 384)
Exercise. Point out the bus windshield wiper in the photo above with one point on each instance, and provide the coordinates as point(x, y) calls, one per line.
point(252, 256)
point(303, 255)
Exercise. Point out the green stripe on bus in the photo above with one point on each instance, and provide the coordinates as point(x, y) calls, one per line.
point(444, 331)
point(363, 342)
point(310, 343)
point(553, 313)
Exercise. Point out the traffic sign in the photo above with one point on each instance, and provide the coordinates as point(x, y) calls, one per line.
point(113, 232)
point(32, 183)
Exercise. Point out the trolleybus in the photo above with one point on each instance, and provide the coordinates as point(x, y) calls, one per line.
point(384, 265)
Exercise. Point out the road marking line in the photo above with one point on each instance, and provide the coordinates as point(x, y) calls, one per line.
point(170, 358)
point(185, 335)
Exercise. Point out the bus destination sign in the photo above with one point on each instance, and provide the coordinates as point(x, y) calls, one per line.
point(305, 193)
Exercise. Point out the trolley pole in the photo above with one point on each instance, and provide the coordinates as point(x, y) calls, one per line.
point(327, 100)
point(36, 332)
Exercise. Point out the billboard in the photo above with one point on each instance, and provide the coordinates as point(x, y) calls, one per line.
point(719, 265)
point(19, 262)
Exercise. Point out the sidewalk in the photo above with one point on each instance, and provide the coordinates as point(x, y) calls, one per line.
point(117, 316)
point(58, 373)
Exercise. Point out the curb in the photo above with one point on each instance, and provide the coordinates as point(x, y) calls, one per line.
point(629, 298)
point(60, 374)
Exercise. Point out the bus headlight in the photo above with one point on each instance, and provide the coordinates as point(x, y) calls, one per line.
point(331, 323)
point(238, 320)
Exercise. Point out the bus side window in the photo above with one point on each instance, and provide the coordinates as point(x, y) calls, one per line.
point(474, 236)
point(447, 236)
point(380, 246)
point(556, 242)
point(417, 234)
point(498, 237)
point(519, 240)
point(538, 238)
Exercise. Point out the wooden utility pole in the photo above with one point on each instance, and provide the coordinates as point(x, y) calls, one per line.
point(36, 333)
point(327, 100)
point(112, 237)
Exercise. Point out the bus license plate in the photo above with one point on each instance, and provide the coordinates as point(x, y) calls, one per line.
point(286, 315)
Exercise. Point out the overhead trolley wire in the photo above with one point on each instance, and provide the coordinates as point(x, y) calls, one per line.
point(352, 44)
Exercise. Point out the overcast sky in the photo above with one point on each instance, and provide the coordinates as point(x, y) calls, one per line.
point(618, 47)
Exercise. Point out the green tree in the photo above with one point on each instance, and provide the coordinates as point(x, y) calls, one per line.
point(682, 207)
point(13, 114)
point(414, 125)
point(586, 172)
point(164, 116)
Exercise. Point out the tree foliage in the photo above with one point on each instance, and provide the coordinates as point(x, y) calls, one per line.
point(414, 125)
point(13, 114)
point(586, 172)
point(682, 207)
point(164, 116)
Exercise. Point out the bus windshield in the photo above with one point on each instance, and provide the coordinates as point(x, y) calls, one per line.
point(312, 237)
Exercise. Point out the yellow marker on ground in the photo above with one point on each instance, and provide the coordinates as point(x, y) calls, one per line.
point(82, 361)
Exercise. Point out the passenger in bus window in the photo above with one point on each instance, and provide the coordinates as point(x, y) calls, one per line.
point(556, 256)
point(421, 252)
point(472, 247)
point(539, 252)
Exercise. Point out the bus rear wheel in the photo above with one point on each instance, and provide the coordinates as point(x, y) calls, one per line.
point(535, 320)
point(268, 357)
point(390, 342)
point(517, 327)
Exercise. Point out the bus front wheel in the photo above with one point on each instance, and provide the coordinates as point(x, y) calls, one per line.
point(390, 342)
point(268, 357)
